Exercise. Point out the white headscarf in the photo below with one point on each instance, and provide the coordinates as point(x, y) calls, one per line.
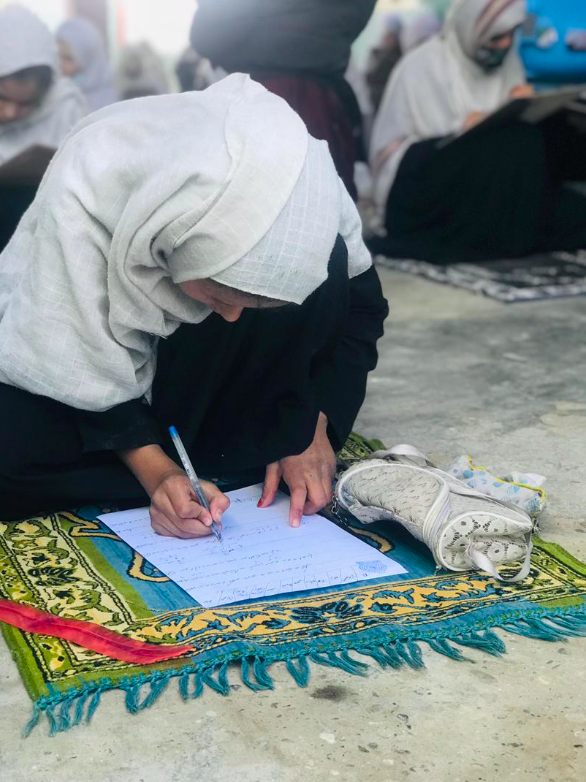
point(435, 87)
point(224, 184)
point(94, 78)
point(141, 72)
point(393, 23)
point(419, 29)
point(25, 42)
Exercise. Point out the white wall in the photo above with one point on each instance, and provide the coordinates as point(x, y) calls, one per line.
point(164, 23)
point(52, 12)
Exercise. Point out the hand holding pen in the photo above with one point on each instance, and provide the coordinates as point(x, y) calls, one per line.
point(175, 509)
point(196, 485)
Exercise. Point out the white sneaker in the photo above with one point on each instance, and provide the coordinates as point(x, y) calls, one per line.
point(464, 529)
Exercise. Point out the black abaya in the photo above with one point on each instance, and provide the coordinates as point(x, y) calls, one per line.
point(241, 394)
point(493, 195)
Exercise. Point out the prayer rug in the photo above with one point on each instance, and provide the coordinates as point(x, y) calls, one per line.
point(553, 276)
point(72, 566)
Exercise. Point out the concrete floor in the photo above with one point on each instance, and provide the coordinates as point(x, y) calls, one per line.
point(458, 373)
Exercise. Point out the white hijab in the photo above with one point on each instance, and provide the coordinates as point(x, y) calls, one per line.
point(435, 87)
point(419, 29)
point(94, 78)
point(141, 71)
point(25, 42)
point(145, 194)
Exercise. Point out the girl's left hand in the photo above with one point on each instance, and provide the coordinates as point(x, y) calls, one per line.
point(308, 476)
point(522, 91)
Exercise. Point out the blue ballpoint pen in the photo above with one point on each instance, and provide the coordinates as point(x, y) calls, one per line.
point(191, 474)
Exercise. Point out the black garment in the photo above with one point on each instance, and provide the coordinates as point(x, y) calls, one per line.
point(494, 195)
point(14, 201)
point(20, 177)
point(287, 35)
point(241, 394)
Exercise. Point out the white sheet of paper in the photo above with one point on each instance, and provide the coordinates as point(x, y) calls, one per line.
point(260, 554)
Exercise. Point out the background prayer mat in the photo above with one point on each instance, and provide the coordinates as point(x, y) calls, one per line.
point(71, 565)
point(538, 277)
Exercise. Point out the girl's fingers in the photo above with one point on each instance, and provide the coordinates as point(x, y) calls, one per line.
point(175, 513)
point(271, 485)
point(298, 499)
point(218, 501)
point(184, 503)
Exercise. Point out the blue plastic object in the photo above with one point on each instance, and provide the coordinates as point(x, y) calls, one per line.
point(553, 42)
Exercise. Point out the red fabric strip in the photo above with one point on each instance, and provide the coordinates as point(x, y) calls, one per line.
point(87, 634)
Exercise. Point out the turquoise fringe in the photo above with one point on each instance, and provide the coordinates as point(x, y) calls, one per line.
point(69, 709)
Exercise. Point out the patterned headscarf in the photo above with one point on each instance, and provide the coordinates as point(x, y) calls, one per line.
point(475, 22)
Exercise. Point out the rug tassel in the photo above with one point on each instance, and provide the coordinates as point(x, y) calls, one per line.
point(157, 687)
point(198, 685)
point(94, 703)
point(441, 646)
point(245, 674)
point(184, 685)
point(223, 678)
point(33, 722)
point(50, 712)
point(535, 628)
point(340, 660)
point(410, 652)
point(64, 721)
point(262, 674)
point(377, 653)
point(81, 701)
point(571, 625)
point(132, 690)
point(359, 667)
point(488, 642)
point(395, 661)
point(217, 685)
point(299, 670)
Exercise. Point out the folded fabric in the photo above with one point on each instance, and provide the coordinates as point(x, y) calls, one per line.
point(520, 489)
point(87, 634)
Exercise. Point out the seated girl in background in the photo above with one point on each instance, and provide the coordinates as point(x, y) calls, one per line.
point(37, 107)
point(146, 287)
point(83, 58)
point(496, 194)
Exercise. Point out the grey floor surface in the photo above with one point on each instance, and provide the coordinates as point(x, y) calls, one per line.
point(457, 374)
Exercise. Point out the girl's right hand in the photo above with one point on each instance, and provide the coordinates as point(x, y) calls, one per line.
point(522, 91)
point(474, 119)
point(175, 511)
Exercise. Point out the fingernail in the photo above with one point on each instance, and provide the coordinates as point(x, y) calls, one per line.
point(218, 516)
point(260, 502)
